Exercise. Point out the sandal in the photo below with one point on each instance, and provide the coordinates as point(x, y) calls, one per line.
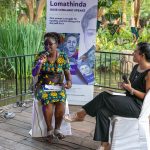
point(58, 134)
point(50, 136)
point(72, 118)
point(104, 148)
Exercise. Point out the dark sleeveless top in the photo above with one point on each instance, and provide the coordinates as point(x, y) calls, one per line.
point(138, 82)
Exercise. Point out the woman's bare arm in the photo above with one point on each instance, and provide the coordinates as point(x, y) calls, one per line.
point(68, 79)
point(148, 81)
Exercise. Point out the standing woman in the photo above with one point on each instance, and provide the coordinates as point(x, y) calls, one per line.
point(51, 66)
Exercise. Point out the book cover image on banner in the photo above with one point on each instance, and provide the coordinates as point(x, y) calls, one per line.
point(86, 66)
point(76, 21)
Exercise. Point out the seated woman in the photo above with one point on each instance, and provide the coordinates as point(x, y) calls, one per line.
point(105, 105)
point(50, 67)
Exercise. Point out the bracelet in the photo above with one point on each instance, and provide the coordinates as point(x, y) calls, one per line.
point(132, 91)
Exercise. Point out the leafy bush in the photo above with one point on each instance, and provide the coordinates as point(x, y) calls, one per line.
point(145, 35)
point(121, 40)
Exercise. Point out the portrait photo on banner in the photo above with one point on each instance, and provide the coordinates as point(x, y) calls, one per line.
point(88, 24)
point(71, 48)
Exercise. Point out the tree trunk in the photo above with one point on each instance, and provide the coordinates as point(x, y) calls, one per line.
point(23, 18)
point(136, 12)
point(30, 6)
point(39, 10)
point(124, 16)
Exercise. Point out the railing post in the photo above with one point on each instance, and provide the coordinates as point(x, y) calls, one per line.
point(25, 81)
point(16, 75)
point(20, 79)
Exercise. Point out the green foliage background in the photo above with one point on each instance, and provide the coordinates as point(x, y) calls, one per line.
point(23, 39)
point(19, 39)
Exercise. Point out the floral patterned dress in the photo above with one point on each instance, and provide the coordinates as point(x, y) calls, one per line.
point(52, 74)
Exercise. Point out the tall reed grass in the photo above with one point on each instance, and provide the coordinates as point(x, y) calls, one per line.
point(18, 39)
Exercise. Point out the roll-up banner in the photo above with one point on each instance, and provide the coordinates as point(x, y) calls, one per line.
point(76, 21)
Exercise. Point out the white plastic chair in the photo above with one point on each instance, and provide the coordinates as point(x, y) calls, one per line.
point(132, 133)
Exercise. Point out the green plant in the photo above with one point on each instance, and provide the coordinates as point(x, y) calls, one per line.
point(119, 41)
point(145, 35)
point(19, 39)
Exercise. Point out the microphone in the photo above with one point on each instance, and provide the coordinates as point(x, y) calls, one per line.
point(46, 53)
point(125, 79)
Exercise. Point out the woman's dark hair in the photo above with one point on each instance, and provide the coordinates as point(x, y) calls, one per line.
point(144, 48)
point(59, 38)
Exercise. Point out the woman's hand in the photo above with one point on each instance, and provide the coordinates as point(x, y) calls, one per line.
point(68, 84)
point(120, 85)
point(126, 86)
point(42, 59)
point(68, 77)
point(133, 91)
point(37, 68)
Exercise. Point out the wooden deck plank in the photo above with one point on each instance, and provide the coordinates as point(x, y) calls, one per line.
point(23, 119)
point(60, 145)
point(14, 134)
point(3, 148)
point(6, 143)
point(20, 124)
point(11, 145)
point(14, 129)
point(10, 135)
point(85, 142)
point(39, 144)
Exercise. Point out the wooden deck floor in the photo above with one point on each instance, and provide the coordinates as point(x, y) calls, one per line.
point(14, 133)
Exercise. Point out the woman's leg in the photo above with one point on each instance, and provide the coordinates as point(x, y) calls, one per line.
point(48, 114)
point(96, 103)
point(59, 112)
point(104, 106)
point(90, 108)
point(115, 105)
point(102, 125)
